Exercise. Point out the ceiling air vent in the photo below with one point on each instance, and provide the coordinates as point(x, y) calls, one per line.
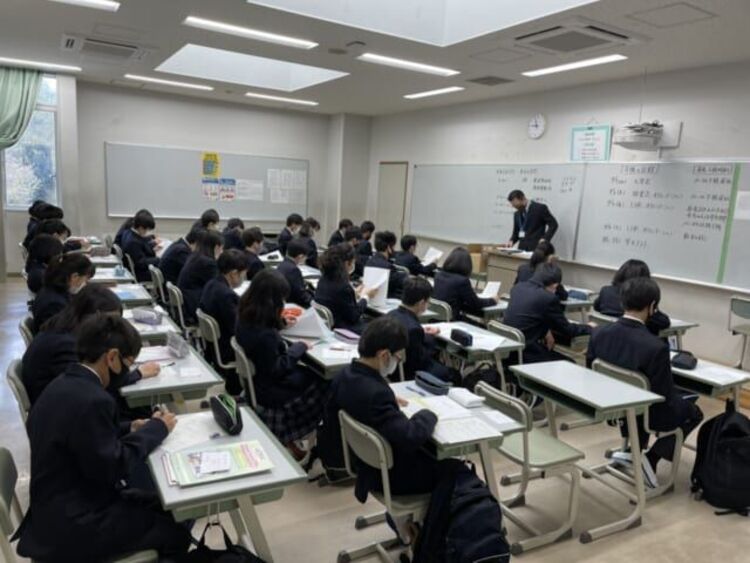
point(102, 48)
point(577, 36)
point(489, 80)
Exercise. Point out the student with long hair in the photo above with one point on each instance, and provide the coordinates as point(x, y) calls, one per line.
point(64, 277)
point(453, 285)
point(543, 253)
point(43, 250)
point(177, 253)
point(199, 269)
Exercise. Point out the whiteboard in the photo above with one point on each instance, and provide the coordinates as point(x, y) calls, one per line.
point(468, 203)
point(169, 182)
point(736, 262)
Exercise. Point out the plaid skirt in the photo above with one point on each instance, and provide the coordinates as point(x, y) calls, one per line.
point(300, 416)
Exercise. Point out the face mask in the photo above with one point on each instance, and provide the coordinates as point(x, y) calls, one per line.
point(390, 367)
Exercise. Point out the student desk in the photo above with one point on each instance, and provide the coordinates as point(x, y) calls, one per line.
point(495, 312)
point(393, 304)
point(173, 384)
point(309, 273)
point(238, 496)
point(153, 334)
point(711, 379)
point(325, 361)
point(272, 259)
point(106, 261)
point(132, 295)
point(582, 306)
point(677, 327)
point(110, 275)
point(599, 397)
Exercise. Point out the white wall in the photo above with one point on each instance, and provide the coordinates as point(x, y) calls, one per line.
point(712, 103)
point(355, 167)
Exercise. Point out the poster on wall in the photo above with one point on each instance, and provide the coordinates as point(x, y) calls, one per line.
point(287, 186)
point(227, 189)
point(250, 190)
point(590, 143)
point(210, 161)
point(210, 189)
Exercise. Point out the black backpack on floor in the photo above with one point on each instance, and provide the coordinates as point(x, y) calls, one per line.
point(463, 522)
point(721, 474)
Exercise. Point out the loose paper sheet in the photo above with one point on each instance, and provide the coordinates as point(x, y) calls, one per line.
point(250, 190)
point(432, 256)
point(377, 278)
point(490, 290)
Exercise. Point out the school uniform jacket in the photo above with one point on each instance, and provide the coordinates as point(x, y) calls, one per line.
point(365, 395)
point(312, 252)
point(336, 238)
point(35, 275)
point(141, 251)
point(198, 271)
point(47, 304)
point(221, 302)
point(414, 264)
point(298, 294)
point(339, 297)
point(420, 344)
point(525, 273)
point(173, 260)
point(629, 345)
point(254, 264)
point(456, 290)
point(232, 239)
point(80, 453)
point(537, 222)
point(396, 278)
point(609, 302)
point(285, 236)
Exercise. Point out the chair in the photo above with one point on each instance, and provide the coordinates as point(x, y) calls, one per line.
point(177, 307)
point(108, 241)
point(638, 380)
point(740, 307)
point(118, 251)
point(246, 371)
point(324, 313)
point(372, 449)
point(11, 515)
point(442, 309)
point(402, 269)
point(601, 319)
point(534, 450)
point(26, 327)
point(511, 334)
point(210, 333)
point(157, 279)
point(19, 389)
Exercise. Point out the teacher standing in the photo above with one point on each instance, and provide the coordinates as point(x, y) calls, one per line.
point(532, 222)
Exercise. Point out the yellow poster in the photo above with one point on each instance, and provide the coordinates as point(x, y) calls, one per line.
point(211, 164)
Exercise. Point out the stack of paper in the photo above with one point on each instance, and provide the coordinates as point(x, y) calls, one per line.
point(492, 289)
point(432, 256)
point(153, 354)
point(308, 325)
point(459, 430)
point(443, 406)
point(377, 278)
point(464, 397)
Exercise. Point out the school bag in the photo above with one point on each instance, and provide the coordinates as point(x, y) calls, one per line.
point(463, 522)
point(230, 554)
point(721, 474)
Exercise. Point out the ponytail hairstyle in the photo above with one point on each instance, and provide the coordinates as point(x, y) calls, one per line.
point(59, 271)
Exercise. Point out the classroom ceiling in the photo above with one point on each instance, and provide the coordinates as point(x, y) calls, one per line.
point(655, 35)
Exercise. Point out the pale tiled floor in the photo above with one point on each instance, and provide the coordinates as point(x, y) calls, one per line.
point(311, 524)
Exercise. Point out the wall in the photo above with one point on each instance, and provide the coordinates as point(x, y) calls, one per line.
point(355, 167)
point(712, 103)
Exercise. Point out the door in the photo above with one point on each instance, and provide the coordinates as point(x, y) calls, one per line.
point(392, 178)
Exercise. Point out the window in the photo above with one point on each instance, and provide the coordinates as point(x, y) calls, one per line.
point(30, 167)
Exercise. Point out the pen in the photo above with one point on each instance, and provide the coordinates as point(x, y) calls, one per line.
point(417, 391)
point(167, 365)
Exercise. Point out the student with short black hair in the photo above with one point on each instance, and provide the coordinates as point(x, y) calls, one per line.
point(453, 285)
point(338, 236)
point(199, 269)
point(535, 310)
point(314, 225)
point(233, 234)
point(34, 209)
point(421, 348)
point(408, 258)
point(296, 254)
point(629, 344)
point(543, 253)
point(293, 224)
point(291, 394)
point(43, 250)
point(176, 255)
point(127, 224)
point(208, 221)
point(252, 243)
point(138, 244)
point(58, 229)
point(64, 277)
point(365, 247)
point(335, 290)
point(81, 454)
point(43, 212)
point(220, 301)
point(385, 243)
point(306, 235)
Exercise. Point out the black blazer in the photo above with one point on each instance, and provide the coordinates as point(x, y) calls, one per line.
point(47, 304)
point(534, 311)
point(283, 240)
point(538, 223)
point(336, 238)
point(141, 250)
point(525, 273)
point(629, 344)
point(232, 239)
point(608, 302)
point(81, 453)
point(35, 275)
point(366, 396)
point(254, 264)
point(339, 297)
point(414, 264)
point(173, 260)
point(456, 290)
point(364, 248)
point(277, 374)
point(221, 302)
point(396, 278)
point(419, 349)
point(198, 271)
point(298, 294)
point(312, 252)
point(118, 236)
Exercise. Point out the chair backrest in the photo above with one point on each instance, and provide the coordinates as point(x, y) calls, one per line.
point(24, 252)
point(157, 277)
point(129, 264)
point(118, 251)
point(324, 313)
point(507, 404)
point(510, 333)
point(369, 447)
point(402, 269)
point(601, 319)
point(246, 370)
point(740, 306)
point(19, 389)
point(625, 375)
point(210, 332)
point(10, 508)
point(177, 304)
point(26, 327)
point(442, 309)
point(108, 241)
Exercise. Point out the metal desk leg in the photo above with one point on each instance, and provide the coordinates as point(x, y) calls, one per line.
point(250, 516)
point(489, 470)
point(549, 408)
point(736, 395)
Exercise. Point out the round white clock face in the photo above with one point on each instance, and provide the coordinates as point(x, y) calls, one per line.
point(537, 126)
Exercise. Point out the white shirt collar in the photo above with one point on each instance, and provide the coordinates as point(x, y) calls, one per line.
point(636, 319)
point(92, 370)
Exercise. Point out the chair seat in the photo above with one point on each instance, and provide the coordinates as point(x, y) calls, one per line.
point(405, 504)
point(741, 329)
point(544, 450)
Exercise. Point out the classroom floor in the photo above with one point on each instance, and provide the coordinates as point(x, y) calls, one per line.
point(311, 524)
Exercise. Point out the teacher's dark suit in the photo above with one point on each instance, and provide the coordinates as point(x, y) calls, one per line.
point(537, 223)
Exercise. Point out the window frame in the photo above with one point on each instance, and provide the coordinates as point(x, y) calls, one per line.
point(54, 109)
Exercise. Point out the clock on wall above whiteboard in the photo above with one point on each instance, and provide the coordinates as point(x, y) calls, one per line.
point(537, 126)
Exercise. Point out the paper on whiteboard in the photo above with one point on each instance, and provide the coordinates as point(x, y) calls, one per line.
point(308, 325)
point(492, 289)
point(377, 278)
point(274, 178)
point(432, 256)
point(742, 208)
point(250, 190)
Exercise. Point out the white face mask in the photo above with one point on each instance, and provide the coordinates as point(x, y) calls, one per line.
point(391, 367)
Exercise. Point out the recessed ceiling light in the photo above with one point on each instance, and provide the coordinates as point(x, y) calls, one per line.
point(433, 93)
point(248, 33)
point(108, 5)
point(573, 66)
point(407, 65)
point(39, 64)
point(281, 99)
point(169, 82)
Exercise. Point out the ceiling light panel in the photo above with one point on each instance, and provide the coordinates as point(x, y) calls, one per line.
point(430, 93)
point(107, 5)
point(208, 63)
point(407, 65)
point(281, 99)
point(248, 33)
point(163, 82)
point(576, 65)
point(39, 64)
